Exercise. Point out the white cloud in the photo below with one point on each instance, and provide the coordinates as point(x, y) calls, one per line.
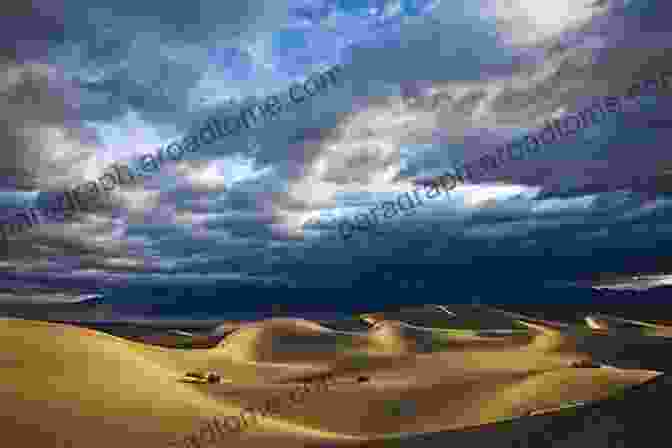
point(529, 21)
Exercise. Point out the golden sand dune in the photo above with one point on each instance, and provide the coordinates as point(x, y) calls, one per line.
point(399, 337)
point(68, 386)
point(78, 384)
point(463, 316)
point(64, 383)
point(549, 339)
point(178, 341)
point(393, 336)
point(287, 340)
point(611, 323)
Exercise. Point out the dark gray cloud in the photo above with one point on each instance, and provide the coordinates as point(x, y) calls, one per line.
point(143, 58)
point(418, 93)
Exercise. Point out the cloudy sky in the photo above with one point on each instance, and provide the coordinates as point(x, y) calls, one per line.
point(253, 219)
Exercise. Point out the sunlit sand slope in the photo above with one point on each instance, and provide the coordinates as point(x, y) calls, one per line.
point(287, 340)
point(460, 387)
point(65, 386)
point(63, 383)
point(611, 323)
point(69, 383)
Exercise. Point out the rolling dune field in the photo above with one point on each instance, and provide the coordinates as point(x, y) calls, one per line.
point(70, 386)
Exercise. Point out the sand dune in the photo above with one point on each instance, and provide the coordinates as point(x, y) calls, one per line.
point(65, 384)
point(399, 337)
point(463, 316)
point(76, 384)
point(287, 340)
point(611, 324)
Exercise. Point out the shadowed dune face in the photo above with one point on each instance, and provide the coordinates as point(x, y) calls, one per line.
point(176, 341)
point(399, 337)
point(462, 317)
point(287, 340)
point(549, 339)
point(65, 383)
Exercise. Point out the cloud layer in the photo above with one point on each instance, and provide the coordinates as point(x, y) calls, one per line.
point(425, 85)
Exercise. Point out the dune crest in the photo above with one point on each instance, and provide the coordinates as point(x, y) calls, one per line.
point(63, 383)
point(285, 340)
point(69, 375)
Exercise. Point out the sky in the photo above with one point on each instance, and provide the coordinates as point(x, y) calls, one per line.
point(252, 220)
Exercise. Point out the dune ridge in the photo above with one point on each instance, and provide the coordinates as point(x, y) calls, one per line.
point(65, 384)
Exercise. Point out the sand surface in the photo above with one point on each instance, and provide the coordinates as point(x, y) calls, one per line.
point(68, 386)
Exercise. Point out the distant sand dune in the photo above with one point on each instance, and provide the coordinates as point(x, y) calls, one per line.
point(287, 340)
point(610, 323)
point(463, 316)
point(393, 337)
point(399, 337)
point(549, 339)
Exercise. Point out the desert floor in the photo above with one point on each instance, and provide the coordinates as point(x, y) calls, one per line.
point(432, 377)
